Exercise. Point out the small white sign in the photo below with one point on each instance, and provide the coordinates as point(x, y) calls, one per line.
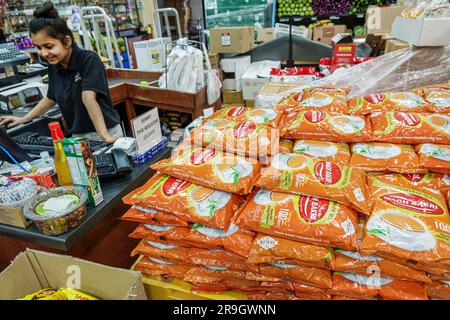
point(226, 40)
point(147, 130)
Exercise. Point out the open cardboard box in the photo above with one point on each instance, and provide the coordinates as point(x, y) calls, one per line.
point(422, 32)
point(33, 270)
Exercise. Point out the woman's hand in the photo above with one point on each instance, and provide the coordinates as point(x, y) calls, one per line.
point(108, 138)
point(12, 121)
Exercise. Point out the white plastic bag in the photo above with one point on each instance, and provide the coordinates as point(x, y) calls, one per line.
point(213, 83)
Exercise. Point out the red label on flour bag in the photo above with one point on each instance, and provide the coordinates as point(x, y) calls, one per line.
point(413, 202)
point(314, 116)
point(173, 186)
point(327, 172)
point(312, 209)
point(244, 129)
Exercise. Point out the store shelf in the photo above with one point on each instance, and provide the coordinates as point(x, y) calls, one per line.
point(113, 191)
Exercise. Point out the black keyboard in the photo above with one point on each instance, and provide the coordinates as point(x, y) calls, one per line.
point(37, 144)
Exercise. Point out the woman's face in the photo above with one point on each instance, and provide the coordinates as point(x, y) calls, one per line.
point(51, 49)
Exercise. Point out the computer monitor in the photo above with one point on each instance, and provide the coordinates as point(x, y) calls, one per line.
point(12, 147)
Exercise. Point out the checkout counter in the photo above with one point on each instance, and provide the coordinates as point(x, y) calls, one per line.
point(102, 237)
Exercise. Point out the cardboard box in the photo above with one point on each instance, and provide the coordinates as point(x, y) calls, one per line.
point(232, 97)
point(394, 44)
point(13, 217)
point(256, 76)
point(422, 32)
point(324, 34)
point(380, 19)
point(233, 69)
point(265, 35)
point(271, 89)
point(214, 59)
point(33, 270)
point(282, 30)
point(232, 39)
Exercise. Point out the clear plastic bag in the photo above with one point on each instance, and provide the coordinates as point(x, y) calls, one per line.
point(15, 194)
point(399, 70)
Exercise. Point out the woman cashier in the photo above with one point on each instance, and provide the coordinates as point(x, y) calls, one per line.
point(77, 81)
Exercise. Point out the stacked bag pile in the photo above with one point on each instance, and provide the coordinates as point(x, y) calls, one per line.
point(321, 197)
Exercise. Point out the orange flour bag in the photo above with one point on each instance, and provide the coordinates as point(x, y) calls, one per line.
point(269, 249)
point(295, 173)
point(286, 146)
point(212, 169)
point(272, 296)
point(435, 157)
point(376, 156)
point(157, 267)
point(255, 115)
point(243, 138)
point(344, 298)
point(298, 288)
point(195, 256)
point(310, 276)
point(353, 262)
point(300, 218)
point(337, 152)
point(410, 128)
point(144, 215)
point(438, 97)
point(439, 290)
point(420, 180)
point(318, 125)
point(187, 201)
point(235, 240)
point(410, 223)
point(392, 101)
point(375, 287)
point(210, 274)
point(328, 99)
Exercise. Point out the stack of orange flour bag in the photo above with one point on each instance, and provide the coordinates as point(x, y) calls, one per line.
point(321, 197)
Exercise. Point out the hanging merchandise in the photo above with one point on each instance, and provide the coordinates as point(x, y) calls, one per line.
point(184, 71)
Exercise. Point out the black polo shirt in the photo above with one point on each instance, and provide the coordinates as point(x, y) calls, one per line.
point(85, 72)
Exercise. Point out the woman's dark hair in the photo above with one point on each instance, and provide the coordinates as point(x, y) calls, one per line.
point(46, 18)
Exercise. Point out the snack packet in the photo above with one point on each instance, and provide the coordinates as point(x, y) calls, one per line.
point(194, 256)
point(187, 201)
point(409, 223)
point(300, 218)
point(210, 274)
point(392, 101)
point(337, 152)
point(327, 99)
point(375, 287)
point(286, 146)
point(212, 169)
point(242, 138)
point(439, 290)
point(73, 294)
point(376, 156)
point(255, 115)
point(158, 267)
point(318, 125)
point(438, 97)
point(45, 294)
point(410, 128)
point(290, 272)
point(298, 174)
point(235, 239)
point(435, 157)
point(144, 215)
point(269, 249)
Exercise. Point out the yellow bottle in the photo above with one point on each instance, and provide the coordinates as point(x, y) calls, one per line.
point(61, 166)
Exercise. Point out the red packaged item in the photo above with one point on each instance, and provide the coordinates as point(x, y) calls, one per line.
point(157, 267)
point(438, 290)
point(326, 99)
point(410, 128)
point(210, 274)
point(194, 256)
point(300, 218)
point(438, 96)
point(187, 201)
point(290, 272)
point(375, 287)
point(435, 157)
point(299, 174)
point(325, 126)
point(144, 215)
point(236, 240)
point(269, 249)
point(244, 286)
